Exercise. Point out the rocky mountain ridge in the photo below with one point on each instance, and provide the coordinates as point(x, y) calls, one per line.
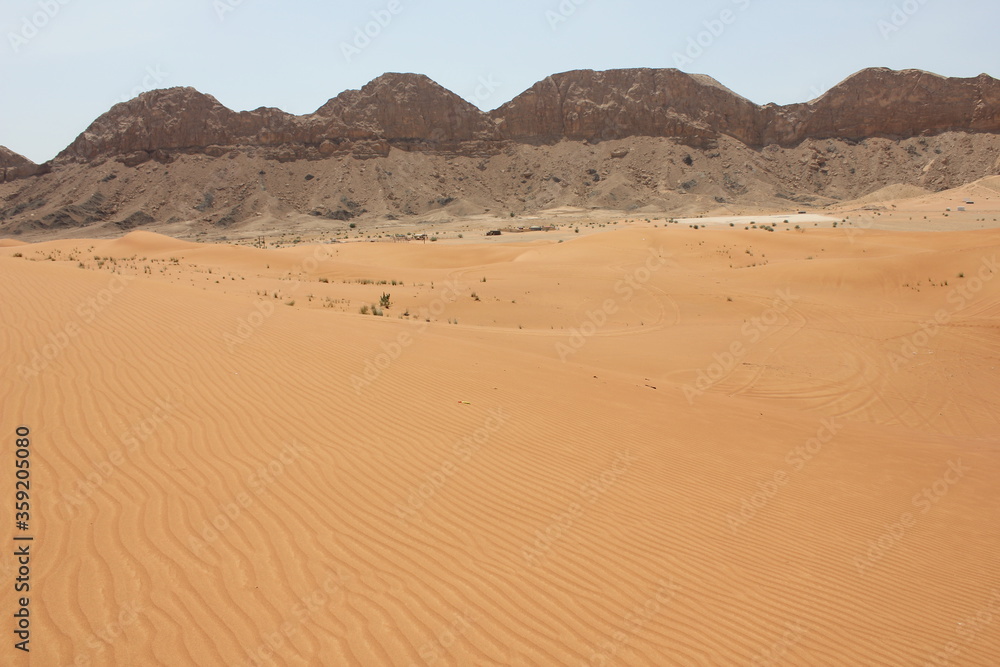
point(644, 140)
point(411, 112)
point(14, 166)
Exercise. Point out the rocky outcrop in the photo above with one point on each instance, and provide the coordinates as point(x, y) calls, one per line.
point(164, 120)
point(880, 102)
point(14, 166)
point(403, 110)
point(596, 106)
point(412, 113)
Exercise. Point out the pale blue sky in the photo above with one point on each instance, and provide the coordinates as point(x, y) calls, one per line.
point(58, 73)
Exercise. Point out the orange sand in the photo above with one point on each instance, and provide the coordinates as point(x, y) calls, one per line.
point(753, 449)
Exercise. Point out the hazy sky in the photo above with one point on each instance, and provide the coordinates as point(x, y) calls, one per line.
point(65, 62)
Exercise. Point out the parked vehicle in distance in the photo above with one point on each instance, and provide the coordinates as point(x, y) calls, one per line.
point(493, 232)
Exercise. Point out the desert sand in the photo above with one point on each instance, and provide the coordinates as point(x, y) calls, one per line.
point(643, 444)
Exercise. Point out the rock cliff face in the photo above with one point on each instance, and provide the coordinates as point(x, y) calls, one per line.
point(597, 106)
point(403, 107)
point(404, 110)
point(668, 103)
point(13, 165)
point(881, 102)
point(411, 112)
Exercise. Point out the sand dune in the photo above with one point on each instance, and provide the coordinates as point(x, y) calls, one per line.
point(891, 193)
point(652, 446)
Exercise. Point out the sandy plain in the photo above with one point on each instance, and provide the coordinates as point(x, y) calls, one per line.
point(637, 444)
